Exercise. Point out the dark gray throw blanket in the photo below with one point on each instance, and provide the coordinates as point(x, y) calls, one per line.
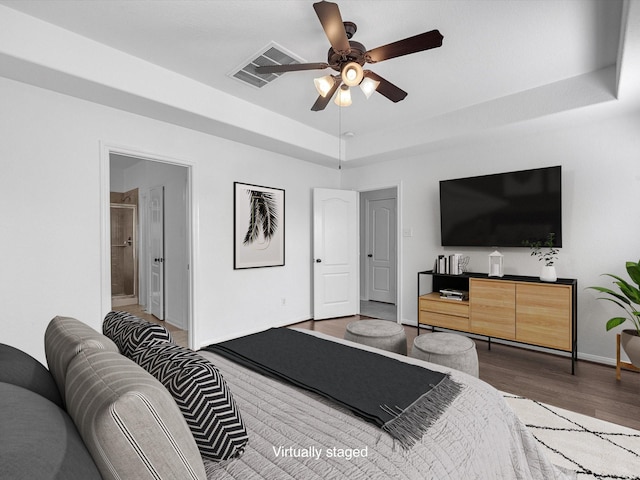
point(402, 399)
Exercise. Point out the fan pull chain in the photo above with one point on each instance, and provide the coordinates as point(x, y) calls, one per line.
point(339, 138)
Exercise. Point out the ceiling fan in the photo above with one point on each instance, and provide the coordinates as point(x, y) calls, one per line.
point(348, 57)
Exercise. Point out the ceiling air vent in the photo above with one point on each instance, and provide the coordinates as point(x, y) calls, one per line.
point(272, 54)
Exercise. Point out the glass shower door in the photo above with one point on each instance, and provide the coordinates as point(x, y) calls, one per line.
point(124, 269)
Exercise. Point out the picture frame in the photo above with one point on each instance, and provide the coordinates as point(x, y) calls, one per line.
point(258, 226)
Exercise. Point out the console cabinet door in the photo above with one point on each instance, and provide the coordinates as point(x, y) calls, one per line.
point(493, 308)
point(544, 315)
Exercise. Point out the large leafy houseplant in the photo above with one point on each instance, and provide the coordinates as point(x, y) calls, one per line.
point(628, 298)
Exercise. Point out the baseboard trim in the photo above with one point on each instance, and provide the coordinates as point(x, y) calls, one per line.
point(250, 331)
point(597, 359)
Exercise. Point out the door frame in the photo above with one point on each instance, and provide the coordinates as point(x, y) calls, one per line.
point(106, 149)
point(399, 237)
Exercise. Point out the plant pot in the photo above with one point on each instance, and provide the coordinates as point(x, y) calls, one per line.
point(631, 344)
point(548, 274)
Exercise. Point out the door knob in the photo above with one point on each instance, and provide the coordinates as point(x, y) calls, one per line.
point(370, 255)
point(318, 260)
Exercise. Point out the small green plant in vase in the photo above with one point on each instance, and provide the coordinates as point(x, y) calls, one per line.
point(547, 253)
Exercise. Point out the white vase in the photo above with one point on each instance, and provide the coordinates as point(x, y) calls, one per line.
point(548, 274)
point(631, 344)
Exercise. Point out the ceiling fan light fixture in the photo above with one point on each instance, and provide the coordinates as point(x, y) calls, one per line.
point(348, 57)
point(352, 74)
point(368, 86)
point(343, 98)
point(324, 84)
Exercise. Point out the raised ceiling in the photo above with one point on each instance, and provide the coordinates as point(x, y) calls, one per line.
point(501, 61)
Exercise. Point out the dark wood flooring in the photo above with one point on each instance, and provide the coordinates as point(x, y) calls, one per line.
point(592, 391)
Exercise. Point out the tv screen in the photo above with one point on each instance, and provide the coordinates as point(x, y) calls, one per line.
point(502, 210)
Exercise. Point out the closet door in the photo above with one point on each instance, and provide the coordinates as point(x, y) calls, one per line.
point(336, 282)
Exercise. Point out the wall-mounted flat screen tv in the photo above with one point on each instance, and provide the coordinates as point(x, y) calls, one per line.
point(502, 210)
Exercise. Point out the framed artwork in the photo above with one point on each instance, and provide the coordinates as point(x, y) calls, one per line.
point(258, 226)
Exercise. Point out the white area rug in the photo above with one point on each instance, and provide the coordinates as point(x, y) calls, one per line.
point(595, 448)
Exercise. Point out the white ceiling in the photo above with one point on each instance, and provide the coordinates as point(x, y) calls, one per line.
point(495, 53)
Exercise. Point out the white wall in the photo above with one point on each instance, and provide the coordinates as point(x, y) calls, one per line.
point(601, 192)
point(50, 226)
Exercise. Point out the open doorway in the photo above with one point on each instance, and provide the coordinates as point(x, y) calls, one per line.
point(378, 253)
point(160, 240)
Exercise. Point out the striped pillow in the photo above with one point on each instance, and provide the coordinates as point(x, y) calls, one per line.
point(128, 421)
point(128, 331)
point(64, 338)
point(201, 394)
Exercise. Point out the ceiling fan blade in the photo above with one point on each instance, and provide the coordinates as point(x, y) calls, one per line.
point(386, 88)
point(417, 43)
point(331, 20)
point(322, 102)
point(294, 67)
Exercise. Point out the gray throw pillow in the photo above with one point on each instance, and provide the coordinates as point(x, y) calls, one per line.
point(20, 368)
point(39, 439)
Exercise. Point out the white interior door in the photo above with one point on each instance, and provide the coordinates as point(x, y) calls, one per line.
point(335, 253)
point(381, 254)
point(156, 252)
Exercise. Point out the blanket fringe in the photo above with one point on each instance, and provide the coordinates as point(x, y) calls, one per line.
point(409, 425)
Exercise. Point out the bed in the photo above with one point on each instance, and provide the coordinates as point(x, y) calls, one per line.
point(298, 434)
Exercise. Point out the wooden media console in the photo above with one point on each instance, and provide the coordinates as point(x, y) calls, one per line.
point(514, 308)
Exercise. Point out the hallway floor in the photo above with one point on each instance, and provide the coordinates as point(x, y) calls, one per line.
point(381, 310)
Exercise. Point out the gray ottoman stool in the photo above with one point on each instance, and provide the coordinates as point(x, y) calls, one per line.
point(382, 334)
point(447, 349)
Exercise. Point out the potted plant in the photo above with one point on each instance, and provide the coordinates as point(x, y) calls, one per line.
point(628, 298)
point(548, 254)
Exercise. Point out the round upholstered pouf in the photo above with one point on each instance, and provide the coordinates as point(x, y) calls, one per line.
point(447, 349)
point(382, 334)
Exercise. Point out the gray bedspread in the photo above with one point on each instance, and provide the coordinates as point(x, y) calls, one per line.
point(295, 434)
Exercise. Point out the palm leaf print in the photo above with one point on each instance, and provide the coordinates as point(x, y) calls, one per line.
point(263, 216)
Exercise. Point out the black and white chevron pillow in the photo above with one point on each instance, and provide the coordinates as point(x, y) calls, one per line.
point(201, 394)
point(128, 331)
